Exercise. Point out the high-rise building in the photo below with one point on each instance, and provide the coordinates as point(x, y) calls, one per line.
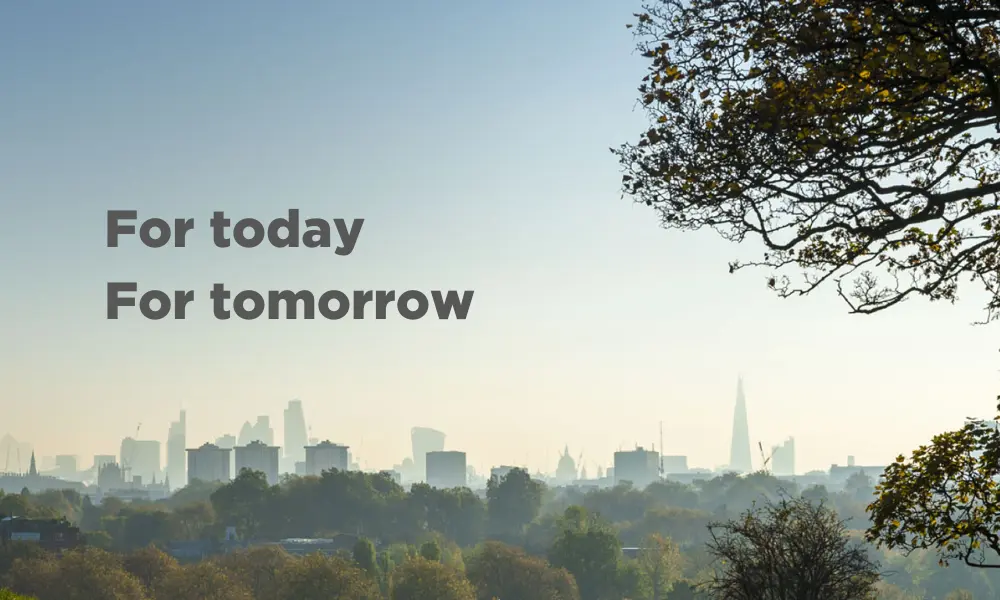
point(177, 452)
point(739, 452)
point(424, 440)
point(140, 458)
point(209, 463)
point(675, 465)
point(66, 466)
point(258, 456)
point(783, 458)
point(296, 435)
point(640, 467)
point(446, 469)
point(258, 432)
point(103, 459)
point(326, 456)
point(228, 442)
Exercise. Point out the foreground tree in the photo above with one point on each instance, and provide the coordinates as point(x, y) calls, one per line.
point(318, 577)
point(201, 581)
point(857, 139)
point(514, 501)
point(87, 574)
point(590, 549)
point(501, 571)
point(257, 569)
point(422, 579)
point(788, 550)
point(660, 564)
point(945, 497)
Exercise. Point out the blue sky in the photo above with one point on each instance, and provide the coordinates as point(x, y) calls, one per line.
point(473, 138)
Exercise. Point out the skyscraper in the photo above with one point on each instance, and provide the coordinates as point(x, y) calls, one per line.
point(739, 452)
point(424, 440)
point(296, 436)
point(177, 452)
point(783, 458)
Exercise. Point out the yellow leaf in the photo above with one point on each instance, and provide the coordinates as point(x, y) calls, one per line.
point(865, 74)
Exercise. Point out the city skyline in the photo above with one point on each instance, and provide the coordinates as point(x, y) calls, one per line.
point(492, 174)
point(423, 440)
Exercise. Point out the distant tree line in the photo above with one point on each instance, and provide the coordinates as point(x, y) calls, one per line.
point(522, 540)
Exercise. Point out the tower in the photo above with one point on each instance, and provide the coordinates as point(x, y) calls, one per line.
point(32, 470)
point(739, 452)
point(296, 436)
point(177, 450)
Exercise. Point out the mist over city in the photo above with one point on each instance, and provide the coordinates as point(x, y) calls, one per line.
point(679, 300)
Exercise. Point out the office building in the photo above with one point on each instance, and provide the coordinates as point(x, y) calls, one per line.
point(177, 452)
point(326, 456)
point(258, 456)
point(639, 467)
point(66, 466)
point(103, 459)
point(140, 458)
point(228, 442)
point(424, 440)
point(783, 459)
point(296, 435)
point(259, 432)
point(675, 464)
point(446, 469)
point(501, 471)
point(209, 463)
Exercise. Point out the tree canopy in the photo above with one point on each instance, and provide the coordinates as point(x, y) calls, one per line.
point(944, 497)
point(857, 139)
point(789, 549)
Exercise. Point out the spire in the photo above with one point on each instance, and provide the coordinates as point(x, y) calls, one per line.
point(32, 470)
point(739, 453)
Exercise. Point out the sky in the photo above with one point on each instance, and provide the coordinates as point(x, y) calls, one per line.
point(473, 139)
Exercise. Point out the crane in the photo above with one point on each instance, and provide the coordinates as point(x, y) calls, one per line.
point(127, 462)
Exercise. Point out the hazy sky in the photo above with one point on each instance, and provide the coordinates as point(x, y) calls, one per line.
point(473, 138)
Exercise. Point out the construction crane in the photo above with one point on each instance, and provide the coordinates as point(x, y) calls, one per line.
point(765, 458)
point(127, 462)
point(661, 449)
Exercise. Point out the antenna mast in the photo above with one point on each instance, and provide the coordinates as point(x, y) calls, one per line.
point(661, 449)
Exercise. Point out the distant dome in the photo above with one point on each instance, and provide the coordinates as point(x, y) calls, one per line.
point(567, 466)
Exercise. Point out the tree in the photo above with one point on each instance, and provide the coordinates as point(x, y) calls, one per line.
point(888, 591)
point(590, 550)
point(501, 571)
point(244, 502)
point(364, 555)
point(422, 579)
point(318, 577)
point(86, 574)
point(513, 502)
point(201, 581)
point(855, 139)
point(816, 493)
point(787, 550)
point(6, 594)
point(659, 561)
point(430, 550)
point(944, 497)
point(256, 569)
point(149, 565)
point(859, 485)
point(959, 595)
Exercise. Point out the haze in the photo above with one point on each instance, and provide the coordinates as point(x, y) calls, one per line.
point(473, 140)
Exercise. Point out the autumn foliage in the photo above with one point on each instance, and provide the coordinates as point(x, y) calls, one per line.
point(857, 139)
